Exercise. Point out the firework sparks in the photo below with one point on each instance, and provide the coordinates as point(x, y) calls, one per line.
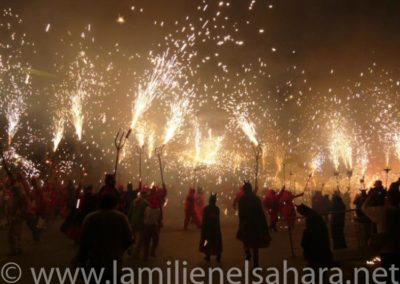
point(58, 130)
point(397, 144)
point(247, 127)
point(206, 151)
point(178, 110)
point(141, 135)
point(150, 144)
point(163, 75)
point(77, 113)
point(28, 167)
point(13, 110)
point(340, 147)
point(363, 159)
point(316, 163)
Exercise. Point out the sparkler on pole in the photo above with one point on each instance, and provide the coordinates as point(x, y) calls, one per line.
point(77, 113)
point(307, 182)
point(140, 137)
point(336, 174)
point(362, 182)
point(387, 171)
point(257, 153)
point(140, 150)
point(159, 152)
point(119, 142)
point(58, 131)
point(349, 173)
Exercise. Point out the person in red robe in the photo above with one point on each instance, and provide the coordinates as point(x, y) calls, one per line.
point(286, 206)
point(199, 204)
point(190, 211)
point(271, 204)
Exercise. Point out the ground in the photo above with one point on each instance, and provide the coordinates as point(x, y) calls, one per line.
point(55, 250)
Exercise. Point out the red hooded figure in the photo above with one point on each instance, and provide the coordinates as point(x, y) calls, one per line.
point(190, 211)
point(271, 204)
point(286, 206)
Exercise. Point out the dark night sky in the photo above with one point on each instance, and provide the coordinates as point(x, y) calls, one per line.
point(345, 35)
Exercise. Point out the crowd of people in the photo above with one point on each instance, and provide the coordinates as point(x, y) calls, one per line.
point(113, 220)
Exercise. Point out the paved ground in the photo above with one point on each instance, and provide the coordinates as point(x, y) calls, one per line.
point(56, 251)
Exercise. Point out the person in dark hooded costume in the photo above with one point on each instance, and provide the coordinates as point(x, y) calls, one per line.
point(211, 238)
point(338, 216)
point(253, 225)
point(315, 240)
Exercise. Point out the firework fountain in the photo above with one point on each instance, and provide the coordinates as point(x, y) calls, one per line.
point(249, 130)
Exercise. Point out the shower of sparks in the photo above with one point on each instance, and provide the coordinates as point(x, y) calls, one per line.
point(29, 168)
point(150, 144)
point(77, 112)
point(165, 70)
point(247, 127)
point(397, 144)
point(178, 111)
point(58, 130)
point(15, 83)
point(206, 150)
point(141, 135)
point(13, 111)
point(363, 159)
point(340, 147)
point(316, 163)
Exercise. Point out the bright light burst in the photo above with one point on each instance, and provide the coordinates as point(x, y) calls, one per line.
point(15, 83)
